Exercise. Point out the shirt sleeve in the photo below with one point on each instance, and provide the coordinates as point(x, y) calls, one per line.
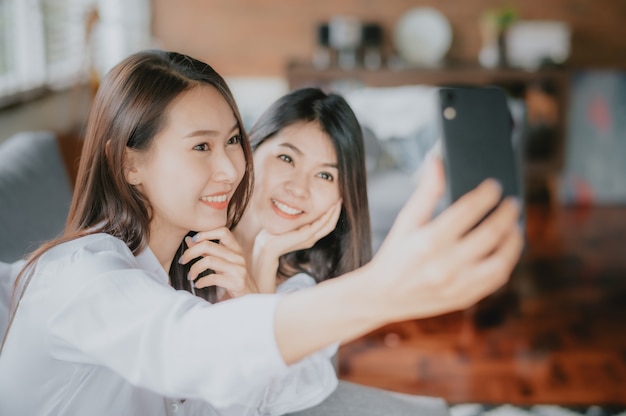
point(109, 313)
point(305, 383)
point(8, 274)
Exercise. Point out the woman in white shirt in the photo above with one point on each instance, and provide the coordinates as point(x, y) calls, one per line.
point(308, 218)
point(309, 209)
point(99, 329)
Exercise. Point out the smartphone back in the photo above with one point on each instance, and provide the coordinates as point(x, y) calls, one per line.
point(476, 128)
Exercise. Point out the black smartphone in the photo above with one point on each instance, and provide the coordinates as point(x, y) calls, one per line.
point(476, 135)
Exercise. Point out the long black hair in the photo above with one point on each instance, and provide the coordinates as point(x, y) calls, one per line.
point(349, 245)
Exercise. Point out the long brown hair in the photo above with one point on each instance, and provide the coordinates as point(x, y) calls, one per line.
point(128, 111)
point(349, 245)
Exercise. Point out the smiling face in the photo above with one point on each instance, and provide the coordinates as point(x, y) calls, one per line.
point(193, 166)
point(296, 178)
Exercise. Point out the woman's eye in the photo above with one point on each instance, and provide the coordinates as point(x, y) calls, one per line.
point(326, 176)
point(285, 158)
point(203, 147)
point(236, 139)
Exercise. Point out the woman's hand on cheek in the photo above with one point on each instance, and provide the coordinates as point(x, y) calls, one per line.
point(218, 251)
point(428, 267)
point(301, 238)
point(269, 247)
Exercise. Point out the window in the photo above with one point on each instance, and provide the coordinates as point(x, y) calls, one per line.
point(52, 44)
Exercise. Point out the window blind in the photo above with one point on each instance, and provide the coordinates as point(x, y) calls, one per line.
point(66, 40)
point(48, 44)
point(23, 60)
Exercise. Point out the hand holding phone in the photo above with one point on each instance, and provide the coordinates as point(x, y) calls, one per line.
point(476, 129)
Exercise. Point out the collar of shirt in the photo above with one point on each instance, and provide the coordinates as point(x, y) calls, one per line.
point(148, 261)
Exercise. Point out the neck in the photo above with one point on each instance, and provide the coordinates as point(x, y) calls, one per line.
point(245, 233)
point(164, 245)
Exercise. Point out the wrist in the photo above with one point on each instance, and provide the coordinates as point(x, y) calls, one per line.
point(264, 273)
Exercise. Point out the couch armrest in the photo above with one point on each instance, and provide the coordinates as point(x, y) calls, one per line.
point(35, 193)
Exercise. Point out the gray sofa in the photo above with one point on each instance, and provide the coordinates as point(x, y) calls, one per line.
point(35, 192)
point(35, 195)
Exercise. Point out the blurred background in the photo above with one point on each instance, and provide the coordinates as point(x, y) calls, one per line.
point(555, 333)
point(549, 54)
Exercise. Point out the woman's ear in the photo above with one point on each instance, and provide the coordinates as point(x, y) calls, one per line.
point(131, 173)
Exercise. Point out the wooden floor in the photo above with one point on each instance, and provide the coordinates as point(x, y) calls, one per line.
point(556, 334)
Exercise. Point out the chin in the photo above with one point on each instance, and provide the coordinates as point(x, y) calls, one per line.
point(276, 224)
point(210, 225)
point(281, 226)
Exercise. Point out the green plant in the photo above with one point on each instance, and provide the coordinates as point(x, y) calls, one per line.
point(501, 18)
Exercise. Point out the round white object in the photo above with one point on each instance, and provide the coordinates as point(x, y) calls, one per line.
point(423, 36)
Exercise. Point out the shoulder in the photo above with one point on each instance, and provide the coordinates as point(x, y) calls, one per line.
point(96, 263)
point(296, 282)
point(94, 242)
point(91, 252)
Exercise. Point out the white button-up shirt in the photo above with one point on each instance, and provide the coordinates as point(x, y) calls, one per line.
point(100, 332)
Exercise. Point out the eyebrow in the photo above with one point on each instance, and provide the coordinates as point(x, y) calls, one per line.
point(211, 133)
point(299, 152)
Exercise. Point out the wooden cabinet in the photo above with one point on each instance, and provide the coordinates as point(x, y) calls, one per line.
point(543, 158)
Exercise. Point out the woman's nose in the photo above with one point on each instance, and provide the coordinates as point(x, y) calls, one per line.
point(225, 168)
point(297, 185)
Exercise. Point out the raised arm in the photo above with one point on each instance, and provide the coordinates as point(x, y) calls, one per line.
point(424, 268)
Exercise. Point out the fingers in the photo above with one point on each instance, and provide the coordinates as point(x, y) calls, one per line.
point(442, 283)
point(462, 265)
point(419, 209)
point(327, 222)
point(217, 265)
point(487, 236)
point(484, 270)
point(466, 212)
point(451, 263)
point(218, 251)
point(504, 259)
point(321, 227)
point(232, 277)
point(234, 287)
point(301, 238)
point(219, 242)
point(493, 272)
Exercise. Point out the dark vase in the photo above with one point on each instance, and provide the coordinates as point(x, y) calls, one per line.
point(503, 60)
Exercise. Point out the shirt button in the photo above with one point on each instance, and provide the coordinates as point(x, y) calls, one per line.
point(174, 407)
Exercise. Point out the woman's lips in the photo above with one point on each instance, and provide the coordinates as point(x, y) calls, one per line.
point(219, 201)
point(285, 210)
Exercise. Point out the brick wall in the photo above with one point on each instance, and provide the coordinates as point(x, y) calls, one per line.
point(258, 37)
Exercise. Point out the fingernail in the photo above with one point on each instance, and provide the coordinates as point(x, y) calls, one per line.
point(497, 184)
point(181, 261)
point(189, 276)
point(194, 238)
point(435, 152)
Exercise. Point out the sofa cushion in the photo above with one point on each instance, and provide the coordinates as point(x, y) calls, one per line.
point(35, 193)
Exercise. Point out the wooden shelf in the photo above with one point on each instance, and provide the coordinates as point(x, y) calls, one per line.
point(302, 74)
